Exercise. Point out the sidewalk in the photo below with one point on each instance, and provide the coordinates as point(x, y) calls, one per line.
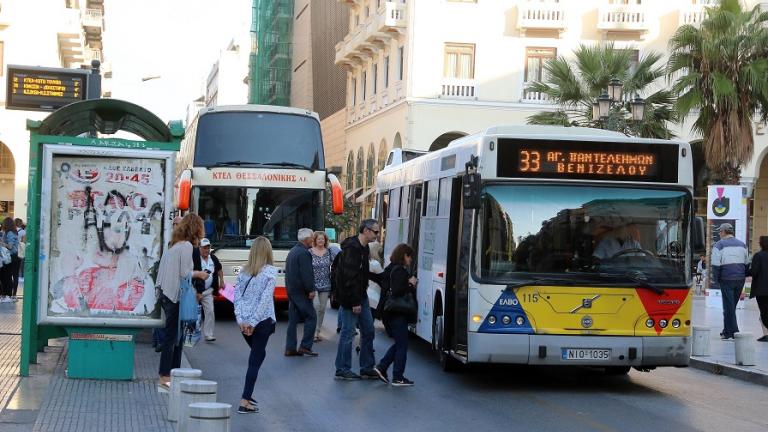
point(709, 313)
point(48, 401)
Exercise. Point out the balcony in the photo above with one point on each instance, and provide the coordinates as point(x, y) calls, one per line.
point(693, 14)
point(384, 23)
point(622, 18)
point(540, 16)
point(91, 54)
point(457, 88)
point(71, 37)
point(93, 20)
point(534, 97)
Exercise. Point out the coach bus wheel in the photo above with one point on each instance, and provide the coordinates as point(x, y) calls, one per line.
point(447, 362)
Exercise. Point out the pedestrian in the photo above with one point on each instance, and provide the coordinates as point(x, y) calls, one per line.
point(729, 270)
point(175, 265)
point(255, 313)
point(208, 262)
point(158, 334)
point(21, 230)
point(398, 281)
point(759, 290)
point(374, 266)
point(321, 265)
point(9, 272)
point(352, 284)
point(300, 284)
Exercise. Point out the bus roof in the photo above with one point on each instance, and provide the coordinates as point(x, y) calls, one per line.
point(259, 108)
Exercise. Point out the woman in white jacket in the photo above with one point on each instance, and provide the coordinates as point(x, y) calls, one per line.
point(255, 313)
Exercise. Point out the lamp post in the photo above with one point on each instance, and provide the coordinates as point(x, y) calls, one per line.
point(610, 110)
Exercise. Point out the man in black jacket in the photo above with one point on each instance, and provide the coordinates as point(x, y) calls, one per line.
point(352, 284)
point(300, 284)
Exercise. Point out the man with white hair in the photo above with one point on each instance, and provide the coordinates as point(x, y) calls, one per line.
point(300, 284)
point(729, 262)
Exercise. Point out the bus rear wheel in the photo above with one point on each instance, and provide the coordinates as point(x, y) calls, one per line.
point(447, 362)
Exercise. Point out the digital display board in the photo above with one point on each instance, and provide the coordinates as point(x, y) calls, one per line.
point(587, 160)
point(44, 89)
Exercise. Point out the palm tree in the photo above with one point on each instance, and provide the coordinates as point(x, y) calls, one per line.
point(575, 86)
point(720, 72)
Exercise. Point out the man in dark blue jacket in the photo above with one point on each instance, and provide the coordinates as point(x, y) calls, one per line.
point(300, 284)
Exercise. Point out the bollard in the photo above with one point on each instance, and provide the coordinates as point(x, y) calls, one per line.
point(745, 349)
point(700, 341)
point(193, 392)
point(209, 417)
point(178, 375)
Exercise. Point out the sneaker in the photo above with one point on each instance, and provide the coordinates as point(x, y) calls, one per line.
point(247, 409)
point(292, 353)
point(307, 352)
point(763, 339)
point(402, 382)
point(382, 374)
point(726, 338)
point(347, 376)
point(210, 338)
point(369, 374)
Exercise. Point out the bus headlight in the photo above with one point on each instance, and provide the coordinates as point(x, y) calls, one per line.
point(477, 318)
point(649, 323)
point(663, 323)
point(676, 323)
point(506, 320)
point(491, 319)
point(520, 320)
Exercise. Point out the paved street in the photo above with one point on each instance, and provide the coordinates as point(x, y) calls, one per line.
point(301, 394)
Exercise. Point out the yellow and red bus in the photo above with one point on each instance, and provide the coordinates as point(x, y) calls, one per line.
point(549, 246)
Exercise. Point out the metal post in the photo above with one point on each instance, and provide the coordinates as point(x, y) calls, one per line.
point(209, 417)
point(193, 392)
point(745, 349)
point(700, 341)
point(177, 376)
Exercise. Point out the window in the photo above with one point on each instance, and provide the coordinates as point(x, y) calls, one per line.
point(375, 76)
point(370, 166)
point(535, 59)
point(394, 199)
point(386, 71)
point(634, 59)
point(363, 84)
point(459, 61)
point(350, 171)
point(400, 61)
point(354, 91)
point(7, 164)
point(359, 168)
point(444, 197)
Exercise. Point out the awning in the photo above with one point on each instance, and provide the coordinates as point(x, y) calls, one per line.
point(353, 192)
point(367, 193)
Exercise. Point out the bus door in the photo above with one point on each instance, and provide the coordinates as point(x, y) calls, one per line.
point(414, 213)
point(424, 287)
point(457, 277)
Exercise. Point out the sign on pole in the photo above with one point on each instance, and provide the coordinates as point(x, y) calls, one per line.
point(727, 204)
point(44, 89)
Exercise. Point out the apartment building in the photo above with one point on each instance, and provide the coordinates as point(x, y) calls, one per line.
point(422, 73)
point(66, 33)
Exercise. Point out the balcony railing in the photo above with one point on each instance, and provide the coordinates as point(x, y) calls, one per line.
point(90, 55)
point(534, 97)
point(383, 23)
point(693, 15)
point(620, 17)
point(71, 37)
point(540, 16)
point(93, 18)
point(456, 88)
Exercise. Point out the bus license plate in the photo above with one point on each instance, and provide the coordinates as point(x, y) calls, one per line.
point(586, 354)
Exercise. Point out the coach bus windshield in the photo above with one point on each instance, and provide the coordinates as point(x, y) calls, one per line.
point(590, 234)
point(240, 138)
point(236, 215)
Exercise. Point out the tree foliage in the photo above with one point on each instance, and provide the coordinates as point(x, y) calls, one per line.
point(575, 85)
point(719, 73)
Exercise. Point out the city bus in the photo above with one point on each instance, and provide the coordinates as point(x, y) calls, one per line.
point(549, 246)
point(254, 170)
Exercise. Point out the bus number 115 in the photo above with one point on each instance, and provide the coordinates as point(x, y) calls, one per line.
point(530, 161)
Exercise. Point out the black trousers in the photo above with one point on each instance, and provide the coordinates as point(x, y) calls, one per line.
point(170, 357)
point(15, 267)
point(258, 343)
point(762, 304)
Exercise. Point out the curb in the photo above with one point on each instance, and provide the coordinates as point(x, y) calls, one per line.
point(743, 373)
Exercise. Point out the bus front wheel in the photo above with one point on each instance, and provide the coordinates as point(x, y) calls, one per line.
point(447, 362)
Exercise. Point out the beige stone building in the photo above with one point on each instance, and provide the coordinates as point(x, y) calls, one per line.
point(66, 33)
point(421, 73)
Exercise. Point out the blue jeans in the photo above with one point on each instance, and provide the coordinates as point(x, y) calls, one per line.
point(258, 343)
point(730, 291)
point(349, 322)
point(300, 308)
point(398, 352)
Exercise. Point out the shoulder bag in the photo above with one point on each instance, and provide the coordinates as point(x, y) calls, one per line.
point(187, 301)
point(400, 305)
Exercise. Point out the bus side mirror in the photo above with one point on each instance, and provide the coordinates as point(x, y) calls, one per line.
point(698, 235)
point(337, 195)
point(470, 189)
point(184, 190)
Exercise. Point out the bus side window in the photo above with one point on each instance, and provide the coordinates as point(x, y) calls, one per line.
point(382, 212)
point(394, 209)
point(444, 197)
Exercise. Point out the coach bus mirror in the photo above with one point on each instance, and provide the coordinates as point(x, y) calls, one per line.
point(337, 195)
point(471, 191)
point(184, 190)
point(698, 234)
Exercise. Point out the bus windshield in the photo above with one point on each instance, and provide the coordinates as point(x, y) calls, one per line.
point(234, 216)
point(590, 234)
point(224, 137)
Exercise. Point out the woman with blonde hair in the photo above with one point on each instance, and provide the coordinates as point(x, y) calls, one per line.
point(322, 257)
point(255, 313)
point(176, 265)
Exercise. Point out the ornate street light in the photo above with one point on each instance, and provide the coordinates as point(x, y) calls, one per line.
point(604, 103)
point(611, 99)
point(637, 107)
point(614, 89)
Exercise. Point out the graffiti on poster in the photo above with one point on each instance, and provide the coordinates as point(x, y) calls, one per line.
point(106, 236)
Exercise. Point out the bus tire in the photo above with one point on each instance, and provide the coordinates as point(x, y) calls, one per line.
point(616, 370)
point(447, 362)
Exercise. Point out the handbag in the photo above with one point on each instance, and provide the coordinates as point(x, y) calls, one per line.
point(400, 305)
point(5, 256)
point(187, 302)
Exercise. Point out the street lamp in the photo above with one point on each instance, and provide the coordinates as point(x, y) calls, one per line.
point(611, 100)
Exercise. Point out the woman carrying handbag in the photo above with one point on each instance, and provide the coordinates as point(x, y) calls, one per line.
point(255, 313)
point(399, 310)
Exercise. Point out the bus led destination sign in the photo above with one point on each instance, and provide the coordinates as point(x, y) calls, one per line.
point(588, 160)
point(44, 89)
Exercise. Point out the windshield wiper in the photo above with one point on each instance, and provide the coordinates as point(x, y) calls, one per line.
point(233, 163)
point(540, 282)
point(260, 164)
point(634, 277)
point(289, 164)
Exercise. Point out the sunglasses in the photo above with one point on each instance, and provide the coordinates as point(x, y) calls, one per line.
point(373, 231)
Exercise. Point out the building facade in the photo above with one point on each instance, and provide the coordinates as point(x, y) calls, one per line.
point(422, 73)
point(58, 34)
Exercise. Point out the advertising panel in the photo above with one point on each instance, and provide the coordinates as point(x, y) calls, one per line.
point(104, 218)
point(728, 204)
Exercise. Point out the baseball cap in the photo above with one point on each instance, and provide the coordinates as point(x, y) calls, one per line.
point(205, 242)
point(726, 227)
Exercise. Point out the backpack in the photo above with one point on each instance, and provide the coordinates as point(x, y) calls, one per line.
point(336, 274)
